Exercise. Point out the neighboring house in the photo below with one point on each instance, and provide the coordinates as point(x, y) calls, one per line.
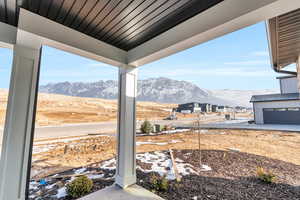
point(206, 107)
point(214, 108)
point(192, 107)
point(283, 108)
point(240, 109)
point(222, 109)
point(229, 109)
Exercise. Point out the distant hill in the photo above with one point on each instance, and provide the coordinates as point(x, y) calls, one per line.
point(161, 90)
point(240, 97)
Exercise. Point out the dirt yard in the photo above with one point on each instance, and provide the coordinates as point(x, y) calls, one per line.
point(52, 156)
point(229, 160)
point(55, 109)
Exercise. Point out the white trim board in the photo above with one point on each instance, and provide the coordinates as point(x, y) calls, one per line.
point(8, 35)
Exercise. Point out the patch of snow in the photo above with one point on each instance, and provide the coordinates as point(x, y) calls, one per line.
point(95, 176)
point(109, 164)
point(31, 196)
point(61, 192)
point(205, 168)
point(175, 141)
point(33, 185)
point(184, 168)
point(80, 171)
point(50, 186)
point(176, 131)
point(161, 164)
point(234, 149)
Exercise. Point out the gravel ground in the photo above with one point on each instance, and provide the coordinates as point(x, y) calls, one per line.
point(233, 176)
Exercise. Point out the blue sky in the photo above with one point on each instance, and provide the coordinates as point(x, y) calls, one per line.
point(239, 60)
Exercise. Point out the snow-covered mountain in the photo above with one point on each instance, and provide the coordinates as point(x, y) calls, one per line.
point(162, 90)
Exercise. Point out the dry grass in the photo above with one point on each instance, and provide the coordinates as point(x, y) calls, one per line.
point(277, 145)
point(55, 109)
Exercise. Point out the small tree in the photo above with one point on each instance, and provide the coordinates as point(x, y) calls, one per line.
point(80, 186)
point(146, 127)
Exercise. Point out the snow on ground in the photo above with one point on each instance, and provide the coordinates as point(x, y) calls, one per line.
point(80, 171)
point(205, 168)
point(61, 192)
point(176, 131)
point(157, 161)
point(95, 176)
point(109, 164)
point(162, 164)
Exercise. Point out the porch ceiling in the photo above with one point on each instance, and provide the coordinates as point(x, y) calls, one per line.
point(284, 39)
point(122, 23)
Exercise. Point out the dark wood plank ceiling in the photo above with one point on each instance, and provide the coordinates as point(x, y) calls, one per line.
point(122, 23)
point(285, 39)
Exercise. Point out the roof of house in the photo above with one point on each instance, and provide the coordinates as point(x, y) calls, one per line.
point(285, 77)
point(284, 40)
point(275, 97)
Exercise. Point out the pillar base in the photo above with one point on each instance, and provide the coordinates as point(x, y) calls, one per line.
point(124, 182)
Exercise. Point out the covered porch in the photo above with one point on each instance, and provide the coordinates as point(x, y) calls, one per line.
point(125, 34)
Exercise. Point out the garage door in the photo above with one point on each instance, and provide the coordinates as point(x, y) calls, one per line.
point(281, 115)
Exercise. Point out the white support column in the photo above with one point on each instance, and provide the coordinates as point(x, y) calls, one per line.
point(19, 123)
point(298, 72)
point(126, 164)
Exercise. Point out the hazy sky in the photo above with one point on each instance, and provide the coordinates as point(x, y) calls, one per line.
point(239, 60)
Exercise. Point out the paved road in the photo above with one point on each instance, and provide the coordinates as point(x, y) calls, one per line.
point(246, 126)
point(108, 128)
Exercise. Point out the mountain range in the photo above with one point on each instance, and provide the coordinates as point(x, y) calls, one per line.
point(163, 90)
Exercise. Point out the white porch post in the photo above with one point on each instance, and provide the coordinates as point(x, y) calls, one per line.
point(126, 166)
point(19, 123)
point(298, 72)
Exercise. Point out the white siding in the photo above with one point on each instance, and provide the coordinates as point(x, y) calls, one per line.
point(289, 85)
point(259, 106)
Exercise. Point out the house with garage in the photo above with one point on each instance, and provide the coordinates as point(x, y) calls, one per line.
point(284, 41)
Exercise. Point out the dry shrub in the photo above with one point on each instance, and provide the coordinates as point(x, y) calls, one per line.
point(80, 186)
point(265, 176)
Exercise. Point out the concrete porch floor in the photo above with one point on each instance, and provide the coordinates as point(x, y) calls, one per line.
point(114, 192)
